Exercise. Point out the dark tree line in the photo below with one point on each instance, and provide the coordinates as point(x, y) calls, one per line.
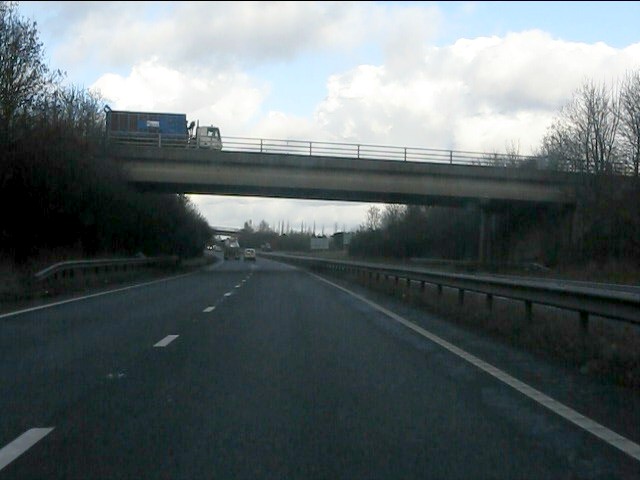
point(417, 231)
point(250, 237)
point(58, 189)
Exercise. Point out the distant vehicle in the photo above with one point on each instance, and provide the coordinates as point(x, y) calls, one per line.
point(250, 254)
point(217, 248)
point(159, 129)
point(231, 249)
point(266, 247)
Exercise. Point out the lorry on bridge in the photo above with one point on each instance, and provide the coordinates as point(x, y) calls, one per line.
point(159, 129)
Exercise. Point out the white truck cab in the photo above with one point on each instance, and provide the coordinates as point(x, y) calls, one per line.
point(209, 137)
point(205, 137)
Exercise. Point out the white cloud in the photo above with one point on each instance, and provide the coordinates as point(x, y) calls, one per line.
point(222, 33)
point(475, 94)
point(280, 125)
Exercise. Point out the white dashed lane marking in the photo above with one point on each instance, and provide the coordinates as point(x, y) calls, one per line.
point(166, 340)
point(21, 444)
point(209, 309)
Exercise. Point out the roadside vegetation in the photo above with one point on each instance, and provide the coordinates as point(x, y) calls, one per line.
point(61, 198)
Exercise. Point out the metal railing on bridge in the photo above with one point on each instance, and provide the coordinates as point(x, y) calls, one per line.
point(375, 152)
point(362, 151)
point(337, 150)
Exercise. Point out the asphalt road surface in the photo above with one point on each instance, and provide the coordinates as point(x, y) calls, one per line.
point(251, 370)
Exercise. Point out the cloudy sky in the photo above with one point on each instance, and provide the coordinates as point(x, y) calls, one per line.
point(481, 76)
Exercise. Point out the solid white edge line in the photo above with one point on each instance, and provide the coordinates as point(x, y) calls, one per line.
point(76, 299)
point(24, 442)
point(166, 340)
point(609, 436)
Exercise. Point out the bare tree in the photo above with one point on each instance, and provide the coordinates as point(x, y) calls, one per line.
point(74, 111)
point(593, 118)
point(374, 218)
point(511, 158)
point(630, 118)
point(560, 149)
point(264, 226)
point(584, 138)
point(392, 215)
point(24, 77)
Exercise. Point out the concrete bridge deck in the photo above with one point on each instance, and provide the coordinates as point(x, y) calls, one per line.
point(182, 170)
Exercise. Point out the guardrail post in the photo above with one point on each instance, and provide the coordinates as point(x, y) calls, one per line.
point(439, 291)
point(528, 311)
point(405, 154)
point(358, 151)
point(451, 157)
point(159, 140)
point(584, 321)
point(489, 301)
point(310, 151)
point(422, 286)
point(260, 145)
point(460, 297)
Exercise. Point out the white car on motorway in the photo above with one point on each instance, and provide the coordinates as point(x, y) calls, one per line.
point(249, 254)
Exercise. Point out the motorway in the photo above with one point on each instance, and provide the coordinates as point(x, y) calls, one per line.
point(260, 370)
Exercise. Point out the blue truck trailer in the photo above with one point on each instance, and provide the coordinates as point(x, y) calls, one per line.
point(146, 127)
point(159, 129)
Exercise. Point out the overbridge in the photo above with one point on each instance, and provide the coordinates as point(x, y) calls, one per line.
point(225, 230)
point(358, 173)
point(407, 176)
